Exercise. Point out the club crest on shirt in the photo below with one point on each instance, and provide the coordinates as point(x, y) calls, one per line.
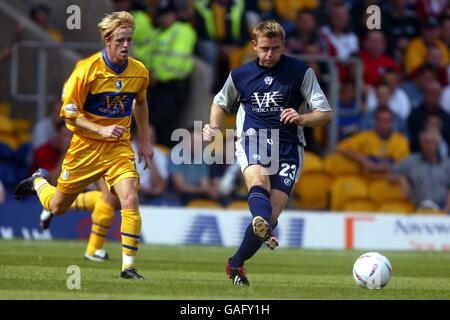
point(268, 80)
point(118, 85)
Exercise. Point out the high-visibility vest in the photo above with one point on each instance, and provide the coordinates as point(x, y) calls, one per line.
point(142, 36)
point(172, 52)
point(237, 10)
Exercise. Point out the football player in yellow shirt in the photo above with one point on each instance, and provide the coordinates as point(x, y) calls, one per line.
point(98, 108)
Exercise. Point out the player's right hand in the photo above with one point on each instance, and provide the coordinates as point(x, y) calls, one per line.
point(112, 132)
point(209, 132)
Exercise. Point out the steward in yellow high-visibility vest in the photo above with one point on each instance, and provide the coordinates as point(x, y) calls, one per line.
point(172, 49)
point(171, 64)
point(142, 36)
point(223, 22)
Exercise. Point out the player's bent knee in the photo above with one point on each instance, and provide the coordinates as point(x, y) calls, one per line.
point(59, 208)
point(130, 201)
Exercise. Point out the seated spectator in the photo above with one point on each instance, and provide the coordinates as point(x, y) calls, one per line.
point(306, 32)
point(39, 14)
point(50, 155)
point(425, 175)
point(152, 180)
point(260, 10)
point(45, 129)
point(445, 99)
point(430, 8)
point(383, 98)
point(434, 60)
point(13, 161)
point(375, 61)
point(225, 174)
point(379, 149)
point(191, 180)
point(288, 9)
point(415, 87)
point(341, 42)
point(398, 101)
point(429, 106)
point(416, 52)
point(348, 111)
point(400, 25)
point(445, 29)
point(434, 122)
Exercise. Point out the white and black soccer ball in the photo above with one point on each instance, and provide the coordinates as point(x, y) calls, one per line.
point(372, 270)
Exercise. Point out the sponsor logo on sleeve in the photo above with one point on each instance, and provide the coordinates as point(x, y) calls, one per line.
point(317, 99)
point(70, 109)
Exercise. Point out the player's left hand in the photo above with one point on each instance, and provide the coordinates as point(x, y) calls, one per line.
point(289, 116)
point(145, 151)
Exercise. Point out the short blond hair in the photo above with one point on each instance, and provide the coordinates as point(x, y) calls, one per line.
point(114, 21)
point(269, 29)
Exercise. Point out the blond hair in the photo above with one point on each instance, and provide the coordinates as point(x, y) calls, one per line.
point(114, 21)
point(269, 29)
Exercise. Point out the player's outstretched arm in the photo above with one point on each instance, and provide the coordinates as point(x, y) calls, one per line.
point(145, 150)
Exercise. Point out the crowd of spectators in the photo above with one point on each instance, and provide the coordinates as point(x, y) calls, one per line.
point(406, 69)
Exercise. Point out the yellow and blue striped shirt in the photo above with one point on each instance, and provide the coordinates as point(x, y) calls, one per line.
point(103, 93)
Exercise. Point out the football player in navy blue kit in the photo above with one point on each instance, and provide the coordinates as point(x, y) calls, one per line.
point(278, 95)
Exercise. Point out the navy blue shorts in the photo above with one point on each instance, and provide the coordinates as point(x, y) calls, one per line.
point(283, 161)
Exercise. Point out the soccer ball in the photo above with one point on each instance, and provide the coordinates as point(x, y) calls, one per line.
point(372, 271)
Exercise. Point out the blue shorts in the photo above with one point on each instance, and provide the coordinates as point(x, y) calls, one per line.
point(283, 161)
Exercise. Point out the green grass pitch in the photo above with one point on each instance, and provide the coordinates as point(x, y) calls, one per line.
point(37, 270)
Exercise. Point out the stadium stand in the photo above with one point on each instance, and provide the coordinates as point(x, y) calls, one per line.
point(381, 191)
point(360, 205)
point(312, 191)
point(203, 203)
point(337, 164)
point(345, 188)
point(238, 204)
point(397, 206)
point(312, 162)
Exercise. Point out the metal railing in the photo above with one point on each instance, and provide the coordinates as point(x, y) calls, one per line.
point(334, 87)
point(41, 97)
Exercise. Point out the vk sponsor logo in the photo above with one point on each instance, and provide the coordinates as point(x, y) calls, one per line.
point(204, 229)
point(267, 99)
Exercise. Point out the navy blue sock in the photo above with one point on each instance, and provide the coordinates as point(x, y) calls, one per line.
point(250, 244)
point(259, 202)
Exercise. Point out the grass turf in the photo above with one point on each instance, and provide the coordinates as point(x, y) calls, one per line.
point(37, 270)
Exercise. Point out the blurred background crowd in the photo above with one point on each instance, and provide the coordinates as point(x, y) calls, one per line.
point(387, 150)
